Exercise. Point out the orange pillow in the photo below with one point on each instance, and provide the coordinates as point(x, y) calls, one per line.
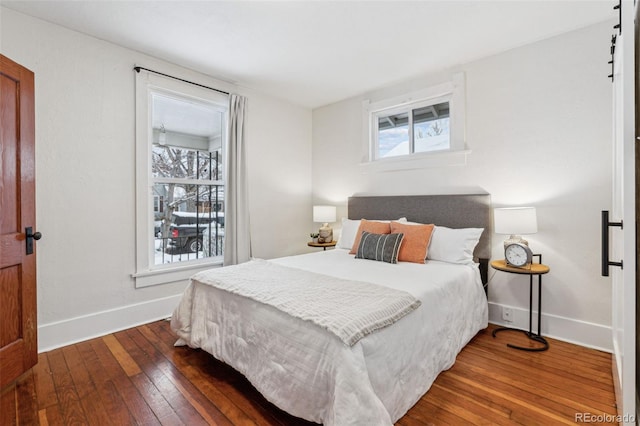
point(415, 243)
point(372, 226)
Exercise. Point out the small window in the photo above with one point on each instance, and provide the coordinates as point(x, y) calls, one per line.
point(421, 129)
point(416, 125)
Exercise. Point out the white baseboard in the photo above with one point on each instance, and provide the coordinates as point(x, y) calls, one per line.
point(57, 334)
point(595, 336)
point(78, 329)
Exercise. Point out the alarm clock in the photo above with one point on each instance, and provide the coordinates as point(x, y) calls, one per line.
point(518, 255)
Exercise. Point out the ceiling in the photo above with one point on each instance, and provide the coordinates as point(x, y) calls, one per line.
point(315, 53)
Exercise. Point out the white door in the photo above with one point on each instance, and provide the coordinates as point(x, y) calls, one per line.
point(623, 238)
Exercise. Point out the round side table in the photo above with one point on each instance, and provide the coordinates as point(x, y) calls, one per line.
point(323, 245)
point(535, 269)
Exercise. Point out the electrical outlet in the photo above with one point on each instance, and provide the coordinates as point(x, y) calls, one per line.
point(507, 314)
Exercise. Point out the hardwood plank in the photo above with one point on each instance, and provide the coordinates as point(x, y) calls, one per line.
point(52, 415)
point(168, 380)
point(137, 376)
point(195, 379)
point(8, 408)
point(467, 408)
point(429, 411)
point(573, 396)
point(500, 407)
point(79, 373)
point(69, 402)
point(553, 360)
point(89, 397)
point(542, 383)
point(156, 401)
point(158, 404)
point(124, 359)
point(528, 397)
point(523, 400)
point(109, 396)
point(121, 381)
point(26, 399)
point(45, 388)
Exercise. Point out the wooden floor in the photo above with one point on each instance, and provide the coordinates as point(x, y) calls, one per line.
point(137, 377)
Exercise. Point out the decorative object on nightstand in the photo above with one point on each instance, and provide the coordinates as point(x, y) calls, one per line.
point(324, 215)
point(323, 245)
point(518, 255)
point(516, 221)
point(534, 269)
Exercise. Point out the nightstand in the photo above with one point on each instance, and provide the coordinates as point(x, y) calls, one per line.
point(323, 245)
point(535, 269)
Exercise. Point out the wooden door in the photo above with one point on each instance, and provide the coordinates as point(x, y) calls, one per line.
point(18, 339)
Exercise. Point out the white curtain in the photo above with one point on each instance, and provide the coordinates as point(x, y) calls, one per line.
point(237, 244)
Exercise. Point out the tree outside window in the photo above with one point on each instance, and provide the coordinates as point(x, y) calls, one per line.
point(187, 175)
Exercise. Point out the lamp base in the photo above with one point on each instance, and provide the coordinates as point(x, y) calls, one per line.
point(325, 234)
point(515, 239)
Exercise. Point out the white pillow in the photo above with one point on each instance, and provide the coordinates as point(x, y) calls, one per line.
point(348, 233)
point(349, 230)
point(453, 245)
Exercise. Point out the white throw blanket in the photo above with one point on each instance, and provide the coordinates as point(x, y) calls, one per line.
point(348, 309)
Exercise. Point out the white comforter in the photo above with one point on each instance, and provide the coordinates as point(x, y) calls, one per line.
point(309, 372)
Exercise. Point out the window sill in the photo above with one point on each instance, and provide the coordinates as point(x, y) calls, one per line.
point(174, 274)
point(417, 161)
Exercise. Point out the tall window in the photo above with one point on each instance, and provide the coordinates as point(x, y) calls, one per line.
point(187, 166)
point(181, 140)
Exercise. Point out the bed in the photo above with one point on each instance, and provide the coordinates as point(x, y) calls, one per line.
point(312, 372)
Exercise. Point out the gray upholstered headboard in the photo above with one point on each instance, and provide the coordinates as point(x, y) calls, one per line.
point(453, 211)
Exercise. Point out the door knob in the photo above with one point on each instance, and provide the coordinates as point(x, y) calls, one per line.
point(36, 236)
point(30, 237)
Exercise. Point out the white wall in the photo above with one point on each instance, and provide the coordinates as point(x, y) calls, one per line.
point(85, 183)
point(542, 111)
point(539, 127)
point(280, 177)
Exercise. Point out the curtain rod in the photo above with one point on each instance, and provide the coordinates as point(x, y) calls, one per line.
point(137, 69)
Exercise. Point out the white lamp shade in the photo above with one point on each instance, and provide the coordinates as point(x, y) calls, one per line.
point(324, 214)
point(515, 220)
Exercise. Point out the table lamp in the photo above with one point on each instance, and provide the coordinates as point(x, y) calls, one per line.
point(515, 221)
point(324, 215)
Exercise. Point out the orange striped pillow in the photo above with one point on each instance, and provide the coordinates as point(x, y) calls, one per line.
point(371, 226)
point(415, 243)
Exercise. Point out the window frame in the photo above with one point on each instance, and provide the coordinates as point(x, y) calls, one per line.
point(147, 272)
point(453, 92)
